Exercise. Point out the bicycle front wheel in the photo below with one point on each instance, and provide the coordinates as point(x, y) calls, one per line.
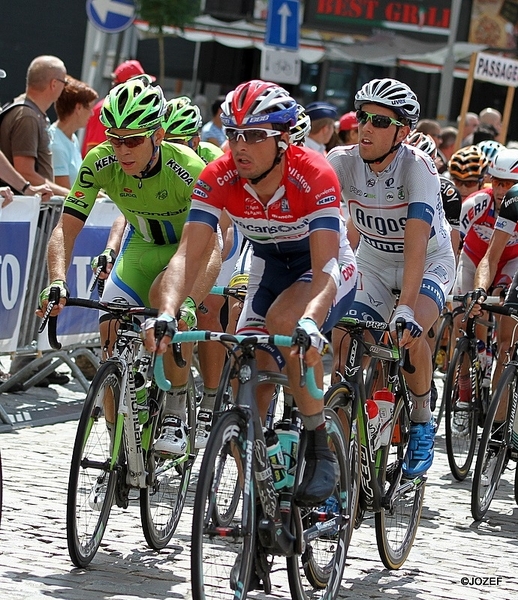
point(91, 484)
point(493, 449)
point(163, 499)
point(461, 411)
point(326, 530)
point(338, 397)
point(222, 556)
point(396, 524)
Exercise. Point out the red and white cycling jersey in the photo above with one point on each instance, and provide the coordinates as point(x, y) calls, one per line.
point(478, 219)
point(307, 200)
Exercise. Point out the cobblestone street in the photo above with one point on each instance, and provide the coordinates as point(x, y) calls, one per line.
point(34, 561)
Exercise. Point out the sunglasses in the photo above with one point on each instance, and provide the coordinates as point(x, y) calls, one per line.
point(379, 121)
point(63, 81)
point(507, 183)
point(130, 141)
point(250, 136)
point(469, 183)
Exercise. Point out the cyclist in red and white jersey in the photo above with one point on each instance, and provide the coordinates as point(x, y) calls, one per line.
point(393, 194)
point(285, 200)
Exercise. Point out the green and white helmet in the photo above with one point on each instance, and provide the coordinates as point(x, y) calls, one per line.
point(135, 104)
point(182, 119)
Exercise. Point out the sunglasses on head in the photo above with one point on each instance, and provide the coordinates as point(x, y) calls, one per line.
point(379, 121)
point(250, 136)
point(131, 141)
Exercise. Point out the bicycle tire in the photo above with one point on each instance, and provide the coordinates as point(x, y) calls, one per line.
point(163, 499)
point(91, 484)
point(445, 328)
point(460, 421)
point(396, 526)
point(222, 557)
point(338, 398)
point(492, 452)
point(321, 565)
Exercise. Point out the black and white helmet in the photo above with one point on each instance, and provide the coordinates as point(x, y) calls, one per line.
point(394, 95)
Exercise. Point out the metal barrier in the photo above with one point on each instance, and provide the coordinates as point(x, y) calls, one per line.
point(43, 363)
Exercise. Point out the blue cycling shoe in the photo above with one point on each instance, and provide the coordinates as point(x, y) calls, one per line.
point(419, 454)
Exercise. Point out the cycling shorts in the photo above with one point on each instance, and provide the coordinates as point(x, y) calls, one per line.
point(380, 280)
point(466, 274)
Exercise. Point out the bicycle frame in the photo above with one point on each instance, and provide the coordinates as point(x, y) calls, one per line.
point(372, 497)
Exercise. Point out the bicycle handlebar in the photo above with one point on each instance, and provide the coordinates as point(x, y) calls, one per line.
point(205, 336)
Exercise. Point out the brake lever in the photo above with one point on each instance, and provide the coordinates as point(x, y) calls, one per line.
point(103, 261)
point(54, 296)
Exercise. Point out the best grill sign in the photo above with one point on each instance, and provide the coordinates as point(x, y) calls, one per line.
point(496, 69)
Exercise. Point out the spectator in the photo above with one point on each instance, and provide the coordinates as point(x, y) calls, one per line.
point(471, 122)
point(24, 137)
point(95, 132)
point(348, 128)
point(213, 130)
point(483, 133)
point(447, 146)
point(491, 117)
point(73, 107)
point(323, 116)
point(430, 127)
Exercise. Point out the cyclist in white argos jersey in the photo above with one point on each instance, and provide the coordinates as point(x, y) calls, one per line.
point(396, 217)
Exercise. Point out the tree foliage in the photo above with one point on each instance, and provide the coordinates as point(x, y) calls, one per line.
point(162, 13)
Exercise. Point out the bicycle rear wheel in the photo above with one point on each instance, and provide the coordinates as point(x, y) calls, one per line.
point(461, 411)
point(326, 531)
point(162, 501)
point(91, 484)
point(396, 524)
point(222, 556)
point(493, 448)
point(338, 398)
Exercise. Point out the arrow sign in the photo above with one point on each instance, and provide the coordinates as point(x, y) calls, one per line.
point(110, 16)
point(282, 25)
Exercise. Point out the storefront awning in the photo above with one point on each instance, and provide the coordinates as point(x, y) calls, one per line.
point(383, 49)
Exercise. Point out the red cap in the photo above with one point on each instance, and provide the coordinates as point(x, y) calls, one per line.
point(127, 70)
point(348, 121)
point(383, 394)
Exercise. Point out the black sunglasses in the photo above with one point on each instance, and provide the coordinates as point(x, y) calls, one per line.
point(379, 121)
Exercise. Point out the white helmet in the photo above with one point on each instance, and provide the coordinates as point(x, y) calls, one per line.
point(300, 131)
point(505, 165)
point(424, 142)
point(394, 95)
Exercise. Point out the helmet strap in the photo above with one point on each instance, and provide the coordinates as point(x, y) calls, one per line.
point(380, 159)
point(146, 170)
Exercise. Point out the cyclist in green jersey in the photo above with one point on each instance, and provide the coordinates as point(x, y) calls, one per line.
point(151, 182)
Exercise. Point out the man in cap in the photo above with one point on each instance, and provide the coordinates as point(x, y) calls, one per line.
point(95, 130)
point(323, 116)
point(348, 128)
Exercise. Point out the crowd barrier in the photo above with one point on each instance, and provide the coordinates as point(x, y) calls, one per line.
point(25, 228)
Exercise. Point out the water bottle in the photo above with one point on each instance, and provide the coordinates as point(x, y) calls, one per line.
point(481, 350)
point(276, 456)
point(373, 423)
point(385, 402)
point(288, 434)
point(141, 394)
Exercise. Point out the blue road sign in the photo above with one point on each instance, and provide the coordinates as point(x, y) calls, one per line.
point(282, 25)
point(110, 16)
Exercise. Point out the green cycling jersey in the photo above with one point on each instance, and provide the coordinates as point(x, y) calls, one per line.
point(156, 206)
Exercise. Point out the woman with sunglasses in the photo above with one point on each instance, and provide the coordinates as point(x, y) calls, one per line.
point(151, 183)
point(392, 191)
point(285, 200)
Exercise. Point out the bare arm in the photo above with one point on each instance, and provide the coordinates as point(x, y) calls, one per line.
point(324, 247)
point(486, 269)
point(353, 234)
point(25, 165)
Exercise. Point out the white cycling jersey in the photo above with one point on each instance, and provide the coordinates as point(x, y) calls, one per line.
point(380, 203)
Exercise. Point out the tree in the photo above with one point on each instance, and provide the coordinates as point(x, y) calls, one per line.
point(162, 13)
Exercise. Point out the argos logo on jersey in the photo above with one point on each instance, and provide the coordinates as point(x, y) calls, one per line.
point(380, 225)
